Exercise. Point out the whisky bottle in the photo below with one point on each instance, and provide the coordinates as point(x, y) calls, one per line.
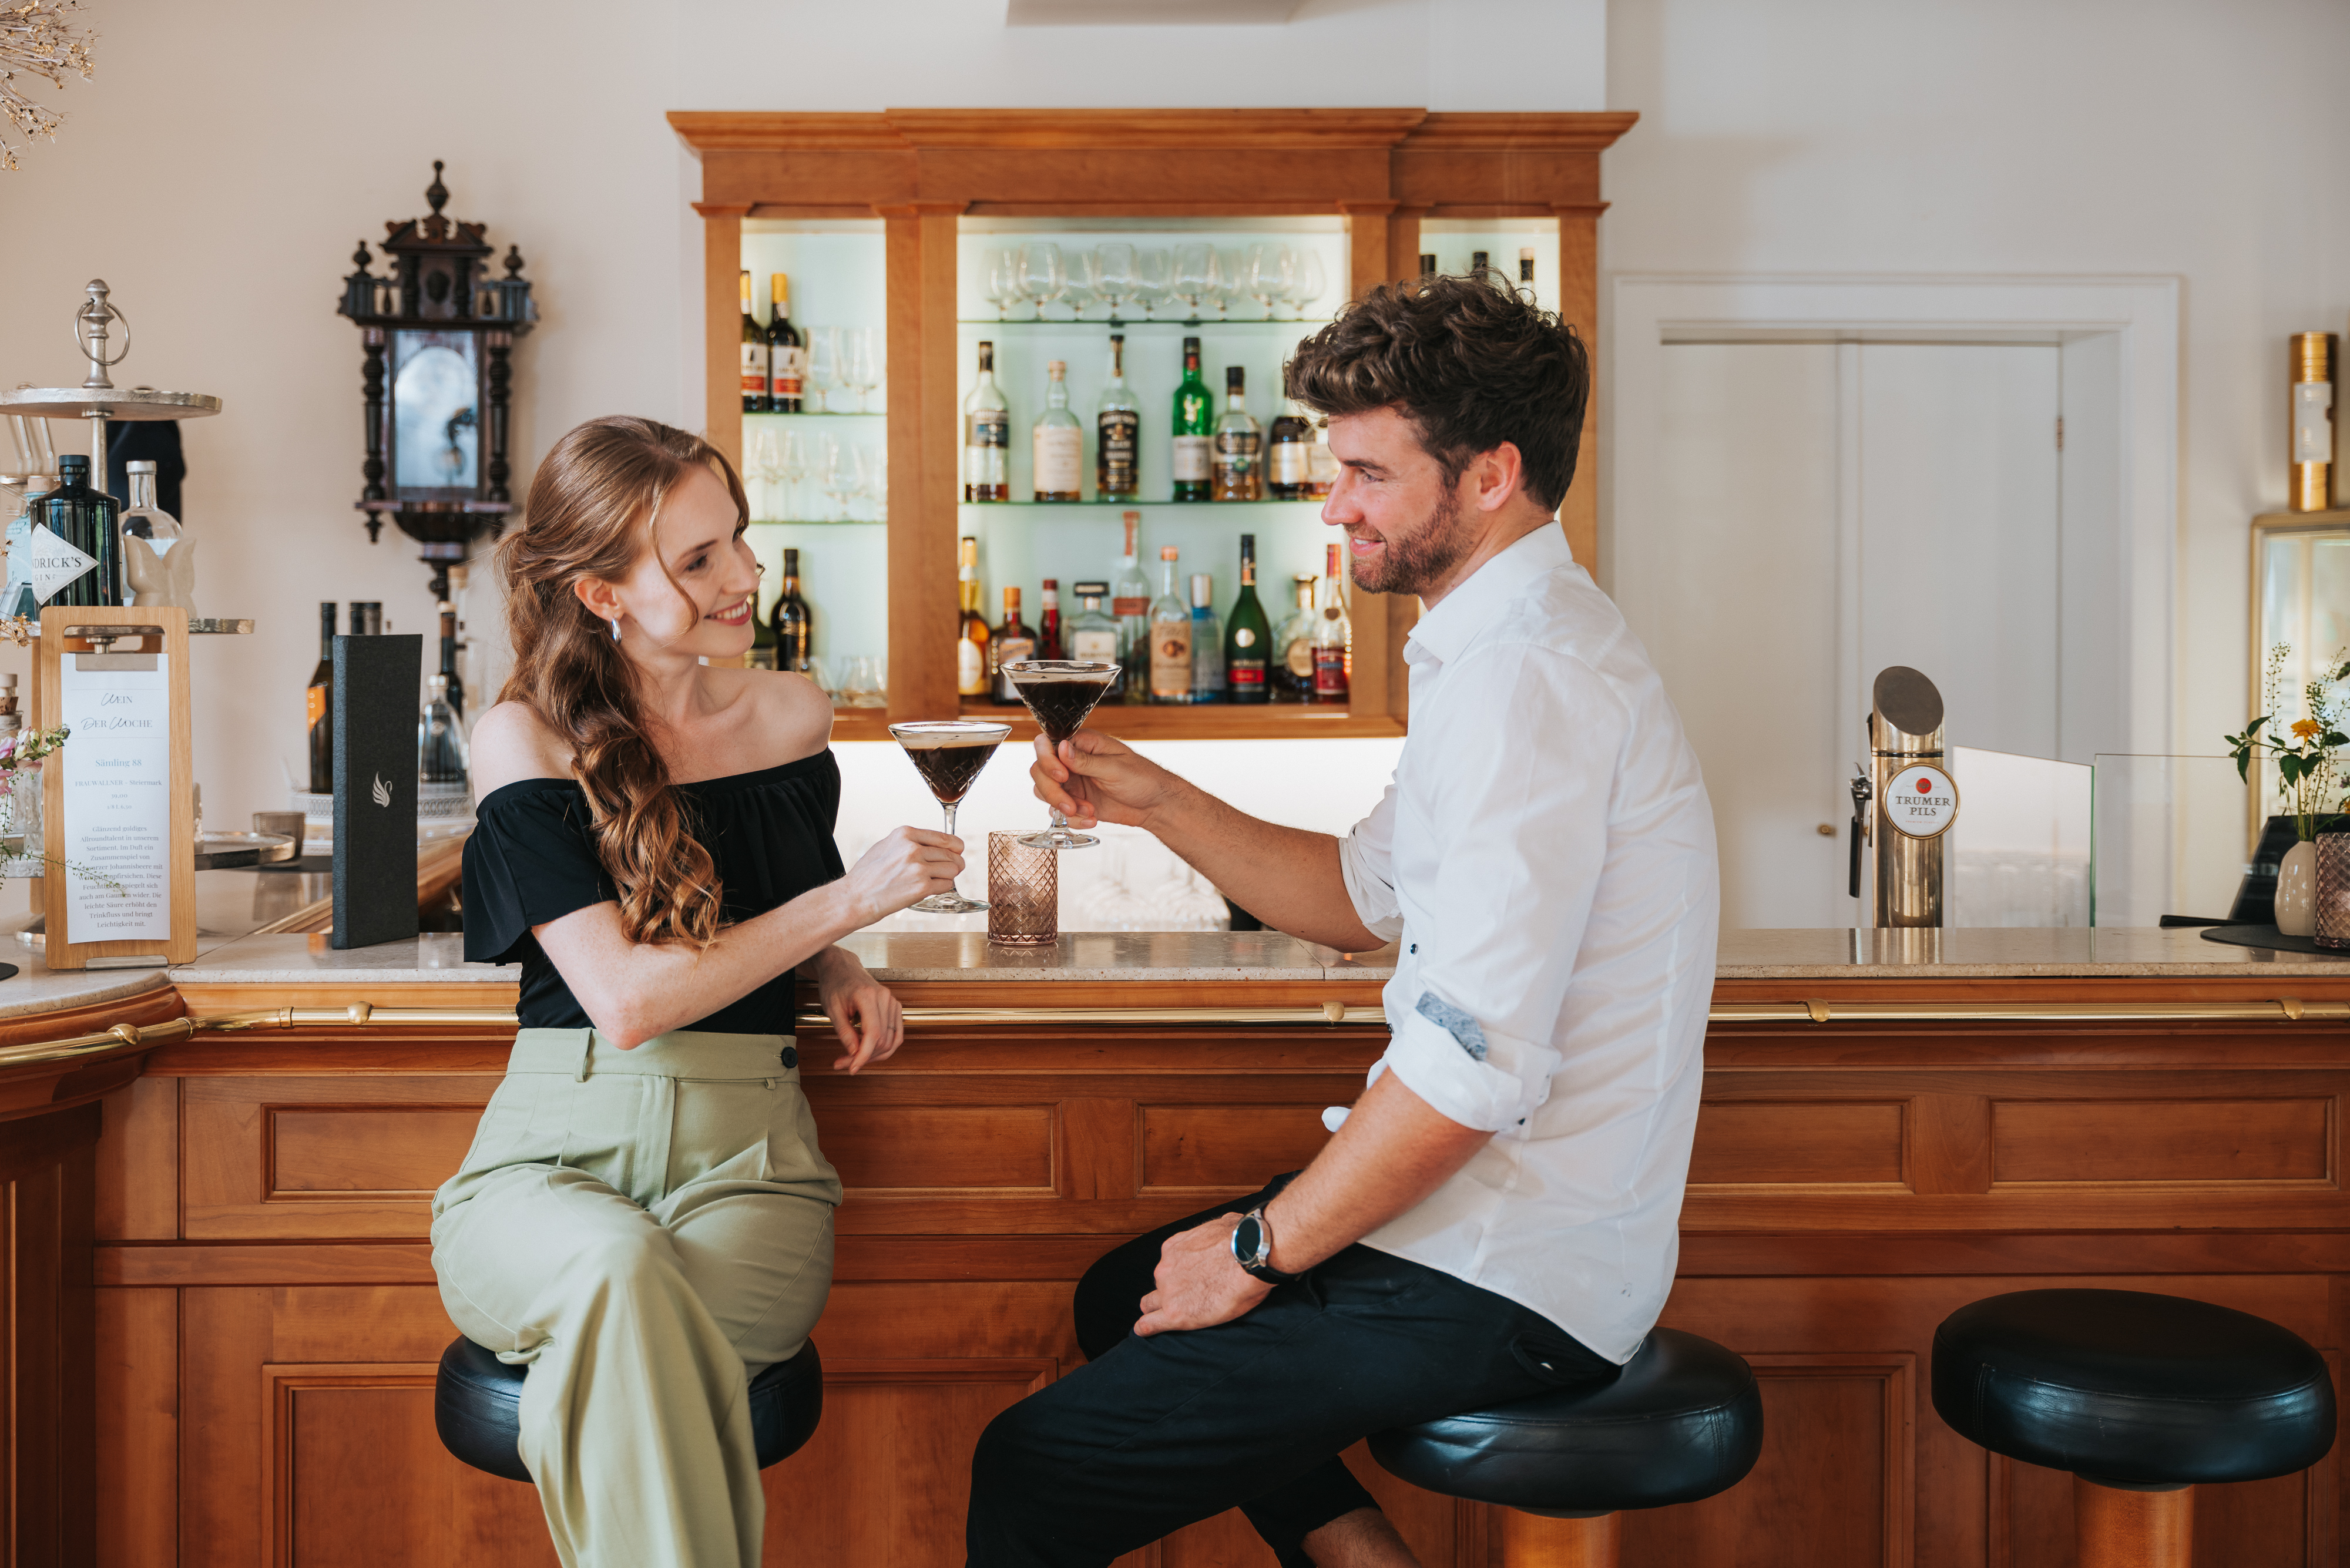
point(1207, 642)
point(1292, 640)
point(1048, 620)
point(786, 351)
point(1170, 636)
point(1240, 442)
point(1130, 603)
point(1247, 637)
point(795, 622)
point(756, 399)
point(1117, 434)
point(1289, 454)
point(320, 702)
point(1058, 441)
point(1195, 430)
point(986, 436)
point(1333, 636)
point(1093, 635)
point(1012, 643)
point(970, 645)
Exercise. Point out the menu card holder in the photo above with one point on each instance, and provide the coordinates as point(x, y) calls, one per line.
point(119, 797)
point(375, 788)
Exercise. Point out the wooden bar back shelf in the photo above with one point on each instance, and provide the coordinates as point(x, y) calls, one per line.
point(1382, 173)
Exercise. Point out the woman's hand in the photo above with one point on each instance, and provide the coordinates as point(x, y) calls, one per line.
point(905, 867)
point(867, 1017)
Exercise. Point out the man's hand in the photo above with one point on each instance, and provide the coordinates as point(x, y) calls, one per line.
point(1095, 779)
point(864, 1012)
point(1200, 1283)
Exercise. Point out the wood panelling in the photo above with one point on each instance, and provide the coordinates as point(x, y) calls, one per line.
point(138, 1194)
point(1199, 1150)
point(950, 1148)
point(341, 1151)
point(137, 1426)
point(2204, 1141)
point(405, 1137)
point(1831, 1143)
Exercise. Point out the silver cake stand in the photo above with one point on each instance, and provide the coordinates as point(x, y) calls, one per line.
point(98, 399)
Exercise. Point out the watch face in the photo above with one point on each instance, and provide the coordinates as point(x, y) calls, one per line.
point(1248, 1239)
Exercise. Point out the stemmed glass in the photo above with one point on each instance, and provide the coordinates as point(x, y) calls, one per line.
point(824, 367)
point(1042, 276)
point(839, 478)
point(1152, 273)
point(1084, 283)
point(863, 365)
point(1114, 270)
point(763, 468)
point(792, 469)
point(1230, 265)
point(1002, 268)
point(948, 753)
point(1268, 275)
point(1306, 281)
point(1195, 276)
point(1059, 693)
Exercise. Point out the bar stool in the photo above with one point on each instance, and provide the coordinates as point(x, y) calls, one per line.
point(1682, 1422)
point(477, 1408)
point(2141, 1396)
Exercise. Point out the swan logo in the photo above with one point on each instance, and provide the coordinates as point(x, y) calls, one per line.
point(382, 791)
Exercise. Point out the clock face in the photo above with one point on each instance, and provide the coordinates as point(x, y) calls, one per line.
point(1921, 803)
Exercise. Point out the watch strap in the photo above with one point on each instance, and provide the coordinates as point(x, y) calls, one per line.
point(1254, 1262)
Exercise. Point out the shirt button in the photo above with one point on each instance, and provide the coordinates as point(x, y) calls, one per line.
point(1414, 948)
point(789, 1056)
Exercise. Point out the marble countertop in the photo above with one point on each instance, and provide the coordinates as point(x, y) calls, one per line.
point(289, 959)
point(910, 956)
point(2004, 952)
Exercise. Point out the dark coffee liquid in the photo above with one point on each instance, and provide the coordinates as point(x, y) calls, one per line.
point(951, 770)
point(1059, 707)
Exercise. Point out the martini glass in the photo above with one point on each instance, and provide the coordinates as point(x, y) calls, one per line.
point(1060, 693)
point(948, 753)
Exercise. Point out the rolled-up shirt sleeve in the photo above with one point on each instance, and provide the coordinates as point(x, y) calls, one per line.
point(1366, 860)
point(1522, 837)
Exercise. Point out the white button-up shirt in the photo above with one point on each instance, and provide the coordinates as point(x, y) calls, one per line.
point(1546, 857)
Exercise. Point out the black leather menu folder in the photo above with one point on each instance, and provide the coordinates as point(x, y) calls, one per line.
point(376, 681)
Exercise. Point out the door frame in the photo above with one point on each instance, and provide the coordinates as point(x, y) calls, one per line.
point(2130, 398)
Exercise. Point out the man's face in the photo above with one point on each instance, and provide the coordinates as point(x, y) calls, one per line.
point(1405, 531)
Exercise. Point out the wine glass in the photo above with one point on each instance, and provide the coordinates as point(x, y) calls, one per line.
point(839, 477)
point(1059, 693)
point(824, 367)
point(1153, 272)
point(1002, 269)
point(1267, 275)
point(1114, 269)
point(1308, 281)
point(765, 467)
point(1195, 276)
point(1044, 276)
point(1229, 264)
point(863, 365)
point(791, 468)
point(1084, 283)
point(949, 754)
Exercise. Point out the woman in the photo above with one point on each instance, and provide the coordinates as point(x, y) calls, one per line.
point(644, 1218)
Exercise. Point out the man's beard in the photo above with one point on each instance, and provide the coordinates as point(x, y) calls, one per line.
point(1417, 564)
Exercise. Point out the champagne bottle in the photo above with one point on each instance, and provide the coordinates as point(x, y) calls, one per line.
point(756, 399)
point(795, 622)
point(1240, 442)
point(970, 645)
point(986, 436)
point(1012, 643)
point(1117, 434)
point(1247, 637)
point(321, 705)
point(786, 350)
point(1195, 430)
point(1333, 636)
point(1170, 636)
point(1130, 603)
point(1058, 447)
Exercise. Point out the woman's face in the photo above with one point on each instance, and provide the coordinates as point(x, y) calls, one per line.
point(703, 604)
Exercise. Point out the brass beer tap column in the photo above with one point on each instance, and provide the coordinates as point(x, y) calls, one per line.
point(1916, 800)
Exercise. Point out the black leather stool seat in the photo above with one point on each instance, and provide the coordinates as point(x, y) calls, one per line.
point(1683, 1421)
point(477, 1406)
point(2130, 1389)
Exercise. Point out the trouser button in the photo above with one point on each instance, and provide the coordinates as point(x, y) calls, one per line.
point(789, 1056)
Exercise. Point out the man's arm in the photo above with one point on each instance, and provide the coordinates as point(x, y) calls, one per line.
point(1285, 877)
point(1391, 1152)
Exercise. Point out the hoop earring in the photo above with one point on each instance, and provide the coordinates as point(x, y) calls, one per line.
point(616, 628)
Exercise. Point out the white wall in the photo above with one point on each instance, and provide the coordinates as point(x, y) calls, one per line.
point(2019, 136)
point(218, 168)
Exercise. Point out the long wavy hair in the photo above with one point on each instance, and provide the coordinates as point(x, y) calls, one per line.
point(593, 507)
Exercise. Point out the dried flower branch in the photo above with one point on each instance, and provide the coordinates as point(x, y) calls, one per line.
point(37, 36)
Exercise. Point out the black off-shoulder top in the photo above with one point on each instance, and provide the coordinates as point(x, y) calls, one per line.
point(531, 860)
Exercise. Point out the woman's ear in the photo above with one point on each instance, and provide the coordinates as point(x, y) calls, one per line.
point(602, 599)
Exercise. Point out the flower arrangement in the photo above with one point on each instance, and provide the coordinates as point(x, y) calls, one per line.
point(2307, 773)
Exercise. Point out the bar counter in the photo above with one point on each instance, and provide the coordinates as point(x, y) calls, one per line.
point(1895, 1124)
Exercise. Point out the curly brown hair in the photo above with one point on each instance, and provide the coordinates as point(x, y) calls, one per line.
point(593, 507)
point(1471, 365)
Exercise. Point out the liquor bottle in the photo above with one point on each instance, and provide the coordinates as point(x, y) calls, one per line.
point(1247, 637)
point(1426, 265)
point(143, 519)
point(786, 350)
point(986, 436)
point(756, 399)
point(1292, 640)
point(366, 618)
point(1480, 266)
point(1130, 603)
point(80, 563)
point(1333, 636)
point(321, 704)
point(1526, 269)
point(1012, 643)
point(1048, 620)
point(1117, 434)
point(1289, 454)
point(1207, 642)
point(971, 646)
point(449, 658)
point(1093, 635)
point(795, 622)
point(440, 738)
point(1195, 428)
point(1058, 440)
point(1170, 636)
point(763, 641)
point(1240, 442)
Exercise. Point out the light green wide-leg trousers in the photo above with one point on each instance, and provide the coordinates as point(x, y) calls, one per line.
point(647, 1230)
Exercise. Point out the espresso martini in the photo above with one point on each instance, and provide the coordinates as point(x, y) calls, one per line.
point(948, 753)
point(1060, 693)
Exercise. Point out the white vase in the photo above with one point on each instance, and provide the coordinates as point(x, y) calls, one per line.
point(2296, 890)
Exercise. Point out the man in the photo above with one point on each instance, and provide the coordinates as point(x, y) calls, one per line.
point(1497, 1215)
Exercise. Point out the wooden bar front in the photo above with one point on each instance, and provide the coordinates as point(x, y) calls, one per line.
point(268, 1324)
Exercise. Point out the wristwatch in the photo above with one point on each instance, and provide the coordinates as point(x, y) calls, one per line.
point(1252, 1249)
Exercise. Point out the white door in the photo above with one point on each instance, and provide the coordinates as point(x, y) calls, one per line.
point(1830, 509)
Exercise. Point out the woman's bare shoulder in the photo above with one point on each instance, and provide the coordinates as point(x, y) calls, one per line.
point(789, 713)
point(511, 743)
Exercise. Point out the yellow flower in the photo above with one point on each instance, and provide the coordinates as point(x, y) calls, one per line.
point(2305, 730)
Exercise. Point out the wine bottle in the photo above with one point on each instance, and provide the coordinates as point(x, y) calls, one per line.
point(440, 738)
point(1247, 637)
point(1130, 603)
point(1093, 635)
point(1289, 454)
point(786, 350)
point(1207, 642)
point(1170, 636)
point(320, 702)
point(1012, 643)
point(1058, 443)
point(1293, 641)
point(756, 397)
point(1195, 430)
point(76, 544)
point(970, 645)
point(449, 658)
point(1333, 636)
point(1048, 620)
point(1117, 434)
point(795, 622)
point(986, 436)
point(1240, 442)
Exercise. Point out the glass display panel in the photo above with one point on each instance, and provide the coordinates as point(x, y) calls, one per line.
point(2020, 849)
point(2169, 837)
